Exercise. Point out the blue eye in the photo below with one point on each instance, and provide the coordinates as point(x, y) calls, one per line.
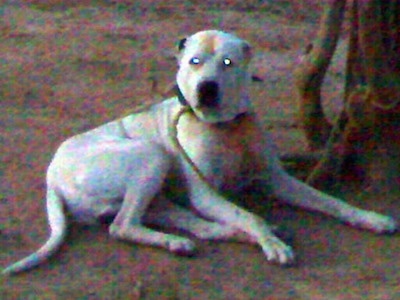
point(194, 61)
point(227, 62)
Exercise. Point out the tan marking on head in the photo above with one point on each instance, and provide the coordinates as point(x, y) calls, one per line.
point(208, 43)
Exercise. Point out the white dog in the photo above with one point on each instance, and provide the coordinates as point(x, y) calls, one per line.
point(217, 143)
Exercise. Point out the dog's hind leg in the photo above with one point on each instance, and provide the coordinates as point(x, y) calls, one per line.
point(144, 184)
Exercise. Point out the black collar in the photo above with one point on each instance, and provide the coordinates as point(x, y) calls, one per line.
point(180, 96)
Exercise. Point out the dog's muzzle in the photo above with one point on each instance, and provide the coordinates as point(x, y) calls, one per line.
point(208, 94)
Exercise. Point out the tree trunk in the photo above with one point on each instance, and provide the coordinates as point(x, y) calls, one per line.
point(364, 143)
point(310, 74)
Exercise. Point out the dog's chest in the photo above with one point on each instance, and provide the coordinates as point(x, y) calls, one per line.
point(221, 152)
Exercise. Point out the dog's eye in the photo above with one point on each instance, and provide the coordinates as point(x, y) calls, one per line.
point(227, 62)
point(194, 61)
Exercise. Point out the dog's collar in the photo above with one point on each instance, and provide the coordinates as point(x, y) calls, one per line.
point(180, 96)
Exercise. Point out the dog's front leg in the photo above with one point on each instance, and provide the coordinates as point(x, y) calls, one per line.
point(167, 214)
point(210, 204)
point(296, 192)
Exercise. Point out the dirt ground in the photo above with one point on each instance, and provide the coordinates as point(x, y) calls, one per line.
point(66, 68)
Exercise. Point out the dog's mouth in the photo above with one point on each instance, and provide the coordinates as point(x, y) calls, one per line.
point(208, 106)
point(208, 94)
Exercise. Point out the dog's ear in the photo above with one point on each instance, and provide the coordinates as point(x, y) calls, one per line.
point(248, 52)
point(181, 44)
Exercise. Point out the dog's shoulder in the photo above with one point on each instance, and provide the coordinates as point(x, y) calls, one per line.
point(162, 113)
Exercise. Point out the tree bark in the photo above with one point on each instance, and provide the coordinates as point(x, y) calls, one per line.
point(364, 143)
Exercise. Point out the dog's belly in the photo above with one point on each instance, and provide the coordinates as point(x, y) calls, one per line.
point(96, 211)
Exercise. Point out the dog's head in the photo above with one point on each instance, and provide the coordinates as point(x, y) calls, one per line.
point(213, 77)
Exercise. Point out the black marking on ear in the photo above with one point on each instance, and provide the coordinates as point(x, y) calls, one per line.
point(180, 96)
point(248, 51)
point(181, 44)
point(256, 78)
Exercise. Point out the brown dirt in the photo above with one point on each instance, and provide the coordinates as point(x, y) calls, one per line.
point(69, 67)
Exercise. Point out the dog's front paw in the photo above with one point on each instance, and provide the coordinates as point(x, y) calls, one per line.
point(277, 251)
point(376, 222)
point(182, 246)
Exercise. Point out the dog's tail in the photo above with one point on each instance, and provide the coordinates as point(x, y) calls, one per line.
point(58, 227)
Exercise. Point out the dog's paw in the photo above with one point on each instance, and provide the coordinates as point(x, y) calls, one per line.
point(182, 246)
point(277, 251)
point(376, 222)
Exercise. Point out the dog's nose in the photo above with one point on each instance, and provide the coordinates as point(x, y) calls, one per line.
point(208, 92)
